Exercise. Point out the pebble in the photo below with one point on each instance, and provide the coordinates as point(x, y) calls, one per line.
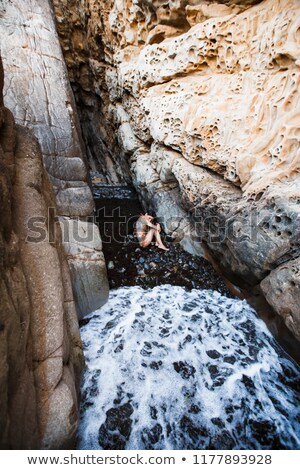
point(111, 265)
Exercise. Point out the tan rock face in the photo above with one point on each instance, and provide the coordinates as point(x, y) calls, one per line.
point(204, 99)
point(229, 104)
point(38, 92)
point(41, 354)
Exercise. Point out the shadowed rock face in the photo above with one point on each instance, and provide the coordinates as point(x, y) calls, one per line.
point(204, 100)
point(41, 355)
point(38, 93)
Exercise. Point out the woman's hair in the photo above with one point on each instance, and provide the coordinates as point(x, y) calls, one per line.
point(146, 213)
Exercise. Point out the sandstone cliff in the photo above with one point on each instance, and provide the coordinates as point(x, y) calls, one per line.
point(204, 100)
point(38, 93)
point(40, 347)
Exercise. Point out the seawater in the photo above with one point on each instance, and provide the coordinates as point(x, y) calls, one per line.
point(168, 368)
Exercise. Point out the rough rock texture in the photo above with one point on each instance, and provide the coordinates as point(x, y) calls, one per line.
point(41, 356)
point(204, 99)
point(38, 93)
point(282, 291)
point(79, 27)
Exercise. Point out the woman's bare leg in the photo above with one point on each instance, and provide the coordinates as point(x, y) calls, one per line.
point(148, 238)
point(158, 240)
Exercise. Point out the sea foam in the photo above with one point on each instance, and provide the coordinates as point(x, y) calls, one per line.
point(174, 369)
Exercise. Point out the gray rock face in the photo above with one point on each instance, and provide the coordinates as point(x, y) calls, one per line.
point(248, 238)
point(83, 246)
point(38, 92)
point(282, 291)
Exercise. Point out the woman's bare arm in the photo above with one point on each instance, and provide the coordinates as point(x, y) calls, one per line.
point(149, 224)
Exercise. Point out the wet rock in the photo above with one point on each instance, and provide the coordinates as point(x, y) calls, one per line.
point(218, 422)
point(194, 409)
point(222, 441)
point(229, 359)
point(184, 369)
point(155, 365)
point(94, 384)
point(120, 347)
point(248, 382)
point(164, 332)
point(265, 432)
point(153, 412)
point(188, 307)
point(115, 432)
point(196, 433)
point(147, 349)
point(214, 371)
point(213, 354)
point(187, 339)
point(150, 437)
point(219, 381)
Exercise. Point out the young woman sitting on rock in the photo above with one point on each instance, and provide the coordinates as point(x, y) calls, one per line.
point(145, 231)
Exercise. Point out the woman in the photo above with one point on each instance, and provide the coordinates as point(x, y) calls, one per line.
point(145, 231)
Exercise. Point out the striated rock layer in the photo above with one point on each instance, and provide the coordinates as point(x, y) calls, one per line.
point(38, 93)
point(204, 99)
point(40, 347)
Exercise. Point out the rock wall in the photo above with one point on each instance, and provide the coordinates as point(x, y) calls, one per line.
point(204, 99)
point(38, 93)
point(79, 25)
point(40, 347)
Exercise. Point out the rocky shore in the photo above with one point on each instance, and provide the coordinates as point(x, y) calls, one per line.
point(128, 264)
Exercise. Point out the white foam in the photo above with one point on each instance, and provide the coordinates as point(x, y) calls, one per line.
point(166, 362)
